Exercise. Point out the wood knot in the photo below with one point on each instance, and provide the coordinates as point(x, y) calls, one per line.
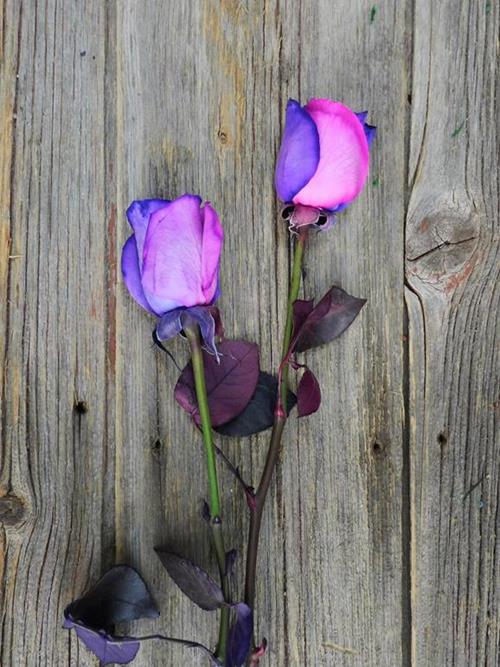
point(442, 236)
point(12, 511)
point(223, 137)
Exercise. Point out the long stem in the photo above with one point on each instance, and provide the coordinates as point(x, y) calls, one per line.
point(193, 335)
point(278, 426)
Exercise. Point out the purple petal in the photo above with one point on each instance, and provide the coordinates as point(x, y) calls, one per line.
point(361, 116)
point(169, 325)
point(108, 649)
point(343, 163)
point(213, 237)
point(131, 273)
point(299, 153)
point(370, 132)
point(240, 636)
point(138, 213)
point(172, 267)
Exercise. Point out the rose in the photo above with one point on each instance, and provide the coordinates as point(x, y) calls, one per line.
point(170, 264)
point(323, 160)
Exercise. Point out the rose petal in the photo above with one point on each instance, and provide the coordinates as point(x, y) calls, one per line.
point(299, 153)
point(138, 213)
point(370, 132)
point(169, 324)
point(213, 237)
point(343, 162)
point(171, 271)
point(131, 273)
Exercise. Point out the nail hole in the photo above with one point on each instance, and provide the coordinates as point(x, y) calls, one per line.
point(377, 448)
point(156, 449)
point(81, 407)
point(442, 439)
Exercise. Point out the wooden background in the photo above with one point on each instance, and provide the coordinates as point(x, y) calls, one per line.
point(381, 538)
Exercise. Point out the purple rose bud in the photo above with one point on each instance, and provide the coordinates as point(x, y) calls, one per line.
point(323, 160)
point(171, 261)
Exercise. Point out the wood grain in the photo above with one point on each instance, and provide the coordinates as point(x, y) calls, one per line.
point(57, 458)
point(452, 268)
point(381, 533)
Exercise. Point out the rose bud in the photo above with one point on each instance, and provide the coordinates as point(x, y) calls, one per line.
point(170, 264)
point(323, 161)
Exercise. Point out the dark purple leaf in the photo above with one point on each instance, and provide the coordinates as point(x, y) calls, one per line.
point(259, 413)
point(240, 636)
point(120, 595)
point(326, 321)
point(301, 310)
point(108, 649)
point(308, 394)
point(230, 383)
point(192, 580)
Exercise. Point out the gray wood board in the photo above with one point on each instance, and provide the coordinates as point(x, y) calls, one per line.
point(380, 539)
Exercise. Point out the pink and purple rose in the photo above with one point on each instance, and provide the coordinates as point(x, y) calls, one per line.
point(323, 160)
point(170, 264)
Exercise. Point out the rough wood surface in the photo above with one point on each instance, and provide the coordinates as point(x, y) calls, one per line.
point(382, 531)
point(452, 266)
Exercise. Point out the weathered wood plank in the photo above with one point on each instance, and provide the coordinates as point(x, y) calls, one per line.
point(203, 111)
point(349, 508)
point(101, 103)
point(452, 269)
point(56, 461)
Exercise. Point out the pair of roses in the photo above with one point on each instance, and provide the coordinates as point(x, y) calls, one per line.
point(171, 261)
point(170, 266)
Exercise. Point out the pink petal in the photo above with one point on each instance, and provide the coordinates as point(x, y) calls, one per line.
point(213, 237)
point(131, 273)
point(343, 162)
point(172, 264)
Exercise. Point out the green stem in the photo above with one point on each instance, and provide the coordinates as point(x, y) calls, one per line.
point(193, 335)
point(278, 426)
point(292, 297)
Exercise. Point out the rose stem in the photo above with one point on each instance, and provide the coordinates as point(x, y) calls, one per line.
point(193, 335)
point(280, 417)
